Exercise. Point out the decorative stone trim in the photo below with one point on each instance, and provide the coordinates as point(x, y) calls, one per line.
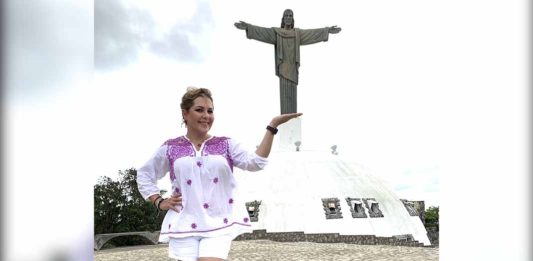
point(400, 240)
point(418, 207)
point(332, 208)
point(373, 207)
point(356, 207)
point(410, 206)
point(253, 210)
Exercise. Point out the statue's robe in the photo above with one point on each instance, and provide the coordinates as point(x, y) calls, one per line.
point(287, 54)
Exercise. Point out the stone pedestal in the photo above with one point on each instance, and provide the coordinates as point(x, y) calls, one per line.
point(289, 133)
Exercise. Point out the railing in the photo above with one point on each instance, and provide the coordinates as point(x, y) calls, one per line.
point(101, 239)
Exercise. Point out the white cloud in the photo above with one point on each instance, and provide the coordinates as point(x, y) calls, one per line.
point(172, 29)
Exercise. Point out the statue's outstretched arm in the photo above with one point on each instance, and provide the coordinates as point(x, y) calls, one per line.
point(241, 25)
point(334, 29)
point(267, 35)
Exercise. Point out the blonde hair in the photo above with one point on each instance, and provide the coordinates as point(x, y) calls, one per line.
point(191, 94)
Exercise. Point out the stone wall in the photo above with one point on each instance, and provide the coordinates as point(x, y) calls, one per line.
point(400, 240)
point(433, 235)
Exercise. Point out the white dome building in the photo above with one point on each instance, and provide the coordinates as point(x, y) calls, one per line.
point(303, 194)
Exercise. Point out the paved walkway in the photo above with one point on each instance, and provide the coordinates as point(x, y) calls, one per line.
point(269, 250)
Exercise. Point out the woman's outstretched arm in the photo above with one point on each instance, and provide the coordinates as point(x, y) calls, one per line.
point(265, 146)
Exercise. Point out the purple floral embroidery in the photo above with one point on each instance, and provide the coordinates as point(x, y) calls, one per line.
point(169, 226)
point(219, 146)
point(206, 206)
point(225, 221)
point(230, 201)
point(177, 190)
point(216, 146)
point(177, 148)
point(199, 163)
point(215, 180)
point(189, 182)
point(245, 220)
point(193, 225)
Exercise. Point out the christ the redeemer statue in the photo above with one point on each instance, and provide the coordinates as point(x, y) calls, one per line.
point(287, 41)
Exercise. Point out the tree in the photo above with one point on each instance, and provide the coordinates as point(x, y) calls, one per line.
point(120, 207)
point(432, 217)
point(108, 205)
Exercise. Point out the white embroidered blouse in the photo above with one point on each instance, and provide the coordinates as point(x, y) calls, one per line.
point(211, 204)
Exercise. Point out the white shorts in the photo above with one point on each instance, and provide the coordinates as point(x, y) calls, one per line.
point(191, 248)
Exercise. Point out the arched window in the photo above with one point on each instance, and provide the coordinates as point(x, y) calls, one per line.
point(253, 210)
point(356, 207)
point(373, 207)
point(332, 208)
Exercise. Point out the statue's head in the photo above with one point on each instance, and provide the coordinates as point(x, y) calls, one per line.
point(288, 19)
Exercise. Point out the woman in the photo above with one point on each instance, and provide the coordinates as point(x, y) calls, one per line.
point(205, 212)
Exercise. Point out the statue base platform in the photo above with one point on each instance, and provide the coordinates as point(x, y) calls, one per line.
point(289, 133)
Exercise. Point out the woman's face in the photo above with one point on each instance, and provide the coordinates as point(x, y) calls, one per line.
point(200, 116)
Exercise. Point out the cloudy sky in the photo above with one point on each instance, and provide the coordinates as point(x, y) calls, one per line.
point(432, 96)
point(368, 89)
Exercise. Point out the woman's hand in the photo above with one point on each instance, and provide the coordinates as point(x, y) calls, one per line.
point(278, 120)
point(263, 150)
point(173, 203)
